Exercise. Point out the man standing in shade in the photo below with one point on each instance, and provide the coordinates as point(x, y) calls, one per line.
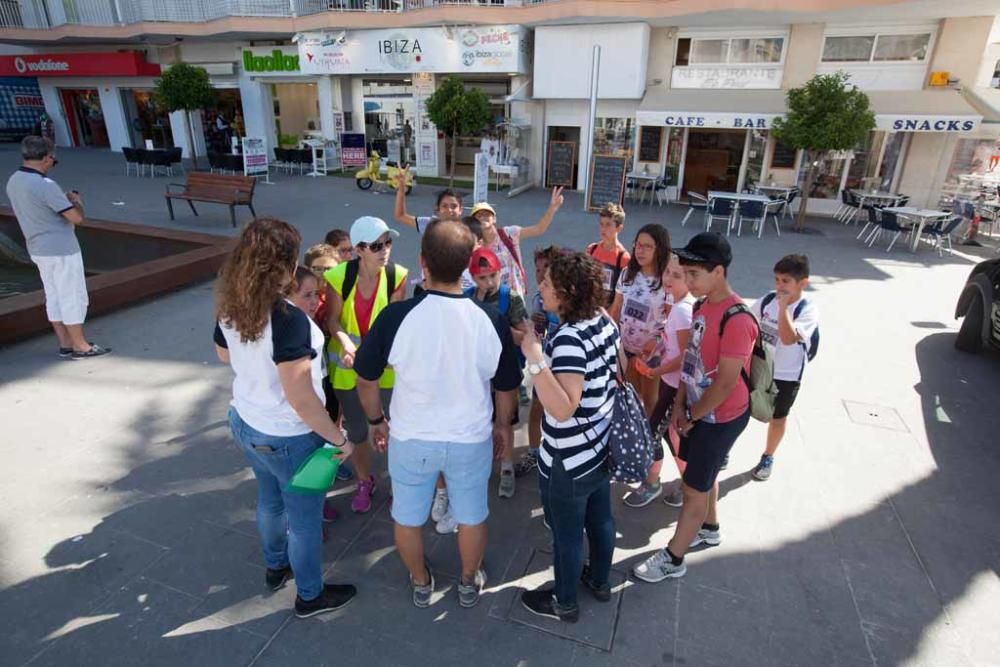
point(47, 216)
point(446, 350)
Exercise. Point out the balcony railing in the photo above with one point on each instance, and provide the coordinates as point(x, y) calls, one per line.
point(53, 13)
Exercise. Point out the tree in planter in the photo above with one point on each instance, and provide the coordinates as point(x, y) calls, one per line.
point(825, 114)
point(185, 88)
point(457, 112)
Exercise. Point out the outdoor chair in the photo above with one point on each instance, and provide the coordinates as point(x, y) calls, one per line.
point(889, 223)
point(696, 202)
point(854, 207)
point(846, 204)
point(131, 158)
point(787, 201)
point(160, 159)
point(941, 232)
point(303, 158)
point(874, 220)
point(233, 163)
point(719, 209)
point(753, 211)
point(660, 190)
point(176, 157)
point(145, 160)
point(215, 161)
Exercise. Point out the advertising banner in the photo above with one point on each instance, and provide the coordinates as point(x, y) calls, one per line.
point(254, 156)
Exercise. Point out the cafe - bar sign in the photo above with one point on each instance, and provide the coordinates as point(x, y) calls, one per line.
point(728, 120)
point(491, 49)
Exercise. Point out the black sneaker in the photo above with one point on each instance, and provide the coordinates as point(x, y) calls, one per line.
point(600, 593)
point(543, 603)
point(527, 464)
point(276, 578)
point(65, 353)
point(333, 597)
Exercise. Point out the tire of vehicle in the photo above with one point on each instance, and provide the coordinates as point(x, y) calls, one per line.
point(409, 189)
point(364, 183)
point(970, 335)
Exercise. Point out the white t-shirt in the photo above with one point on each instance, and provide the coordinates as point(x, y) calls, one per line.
point(678, 320)
point(642, 310)
point(789, 360)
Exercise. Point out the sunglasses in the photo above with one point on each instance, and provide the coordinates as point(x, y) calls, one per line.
point(377, 246)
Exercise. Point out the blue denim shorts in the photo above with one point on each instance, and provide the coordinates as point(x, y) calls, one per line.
point(414, 466)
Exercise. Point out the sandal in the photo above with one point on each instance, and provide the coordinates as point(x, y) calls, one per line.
point(94, 351)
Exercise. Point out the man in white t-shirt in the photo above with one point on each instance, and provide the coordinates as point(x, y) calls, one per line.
point(789, 327)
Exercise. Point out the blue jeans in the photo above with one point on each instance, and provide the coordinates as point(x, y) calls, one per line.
point(571, 505)
point(290, 524)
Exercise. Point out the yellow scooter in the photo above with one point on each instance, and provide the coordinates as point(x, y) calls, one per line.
point(372, 175)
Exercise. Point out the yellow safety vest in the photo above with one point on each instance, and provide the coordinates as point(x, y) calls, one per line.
point(342, 377)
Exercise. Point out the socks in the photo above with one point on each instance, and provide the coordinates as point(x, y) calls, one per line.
point(676, 560)
point(710, 526)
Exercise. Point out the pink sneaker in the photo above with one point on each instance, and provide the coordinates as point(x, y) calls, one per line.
point(330, 513)
point(362, 501)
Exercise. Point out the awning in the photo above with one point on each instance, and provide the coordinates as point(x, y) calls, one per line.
point(716, 109)
point(986, 101)
point(923, 111)
point(899, 111)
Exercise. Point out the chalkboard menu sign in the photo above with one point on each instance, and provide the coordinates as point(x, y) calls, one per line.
point(650, 141)
point(783, 156)
point(562, 157)
point(607, 180)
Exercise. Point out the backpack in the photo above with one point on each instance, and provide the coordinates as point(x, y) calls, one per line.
point(813, 345)
point(503, 302)
point(760, 381)
point(351, 277)
point(616, 274)
point(630, 440)
point(508, 243)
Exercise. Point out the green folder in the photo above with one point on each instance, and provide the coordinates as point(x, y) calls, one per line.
point(317, 472)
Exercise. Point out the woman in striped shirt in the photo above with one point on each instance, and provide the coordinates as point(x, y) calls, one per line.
point(574, 378)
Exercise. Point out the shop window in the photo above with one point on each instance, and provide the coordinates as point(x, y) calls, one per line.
point(972, 171)
point(876, 48)
point(783, 156)
point(861, 174)
point(741, 51)
point(614, 136)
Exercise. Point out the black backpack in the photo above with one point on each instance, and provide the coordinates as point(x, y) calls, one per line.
point(351, 277)
point(813, 345)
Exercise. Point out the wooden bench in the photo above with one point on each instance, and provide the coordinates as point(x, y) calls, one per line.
point(216, 189)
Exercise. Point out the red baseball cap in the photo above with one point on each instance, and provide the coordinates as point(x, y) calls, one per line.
point(483, 260)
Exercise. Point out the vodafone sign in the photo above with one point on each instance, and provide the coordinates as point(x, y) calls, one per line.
point(129, 63)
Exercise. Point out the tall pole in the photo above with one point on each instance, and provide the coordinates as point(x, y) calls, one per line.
point(595, 69)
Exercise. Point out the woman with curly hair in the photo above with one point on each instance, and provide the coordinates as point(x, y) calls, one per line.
point(277, 415)
point(575, 380)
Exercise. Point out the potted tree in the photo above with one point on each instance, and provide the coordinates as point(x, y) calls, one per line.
point(457, 112)
point(185, 88)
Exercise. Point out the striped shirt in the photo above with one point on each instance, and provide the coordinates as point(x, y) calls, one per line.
point(587, 348)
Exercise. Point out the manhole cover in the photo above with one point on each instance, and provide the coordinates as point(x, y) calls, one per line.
point(879, 416)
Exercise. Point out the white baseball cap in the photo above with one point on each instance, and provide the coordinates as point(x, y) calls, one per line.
point(369, 229)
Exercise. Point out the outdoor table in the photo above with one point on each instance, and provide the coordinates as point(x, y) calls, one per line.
point(878, 196)
point(782, 190)
point(645, 182)
point(739, 196)
point(918, 215)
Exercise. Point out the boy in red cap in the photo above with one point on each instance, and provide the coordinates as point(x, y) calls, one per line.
point(485, 268)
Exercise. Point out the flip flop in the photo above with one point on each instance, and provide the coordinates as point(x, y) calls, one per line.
point(94, 351)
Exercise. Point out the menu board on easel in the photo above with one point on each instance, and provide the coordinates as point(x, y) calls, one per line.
point(562, 158)
point(650, 143)
point(607, 180)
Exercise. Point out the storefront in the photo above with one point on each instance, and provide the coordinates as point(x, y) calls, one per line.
point(82, 93)
point(21, 107)
point(381, 80)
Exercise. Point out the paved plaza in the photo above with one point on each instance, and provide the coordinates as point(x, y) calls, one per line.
point(127, 531)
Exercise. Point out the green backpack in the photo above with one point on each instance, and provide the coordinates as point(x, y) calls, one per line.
point(760, 381)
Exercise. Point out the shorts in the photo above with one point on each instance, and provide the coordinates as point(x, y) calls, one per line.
point(65, 286)
point(355, 419)
point(414, 467)
point(706, 447)
point(783, 402)
point(659, 421)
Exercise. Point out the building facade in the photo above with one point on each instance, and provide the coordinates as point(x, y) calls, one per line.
point(687, 91)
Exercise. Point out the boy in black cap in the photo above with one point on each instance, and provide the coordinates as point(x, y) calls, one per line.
point(712, 406)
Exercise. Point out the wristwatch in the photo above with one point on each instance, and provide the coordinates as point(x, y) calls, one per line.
point(535, 369)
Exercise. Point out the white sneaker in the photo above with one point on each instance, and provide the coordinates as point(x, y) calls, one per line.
point(710, 537)
point(440, 506)
point(506, 487)
point(658, 567)
point(447, 525)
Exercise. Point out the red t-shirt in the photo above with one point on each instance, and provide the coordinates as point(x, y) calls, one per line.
point(705, 348)
point(363, 306)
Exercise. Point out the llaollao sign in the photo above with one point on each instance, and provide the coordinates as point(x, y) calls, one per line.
point(271, 61)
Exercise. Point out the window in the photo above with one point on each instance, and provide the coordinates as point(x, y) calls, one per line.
point(848, 49)
point(876, 48)
point(902, 47)
point(741, 51)
point(783, 156)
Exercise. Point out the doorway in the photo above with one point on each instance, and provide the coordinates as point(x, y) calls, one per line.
point(147, 120)
point(84, 117)
point(713, 160)
point(565, 133)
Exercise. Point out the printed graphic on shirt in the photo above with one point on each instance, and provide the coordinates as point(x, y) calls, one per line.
point(695, 377)
point(642, 311)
